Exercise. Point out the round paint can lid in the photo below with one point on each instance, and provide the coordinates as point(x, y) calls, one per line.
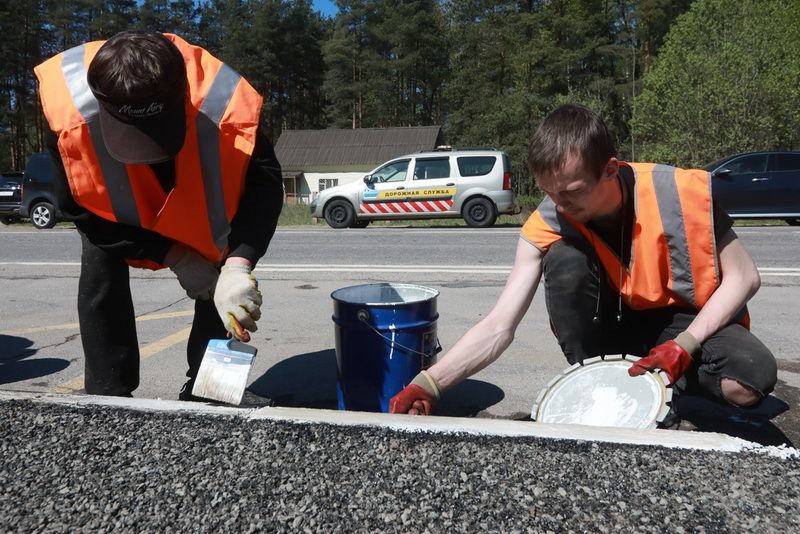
point(599, 392)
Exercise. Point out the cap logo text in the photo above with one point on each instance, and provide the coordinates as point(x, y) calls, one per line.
point(153, 108)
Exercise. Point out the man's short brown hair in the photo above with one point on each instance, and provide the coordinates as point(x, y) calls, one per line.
point(570, 129)
point(139, 80)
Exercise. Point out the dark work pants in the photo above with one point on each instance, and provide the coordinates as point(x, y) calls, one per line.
point(583, 309)
point(108, 326)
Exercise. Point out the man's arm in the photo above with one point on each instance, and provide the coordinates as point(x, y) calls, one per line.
point(739, 282)
point(483, 343)
point(255, 221)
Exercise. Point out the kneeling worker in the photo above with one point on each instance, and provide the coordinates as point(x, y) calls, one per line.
point(637, 259)
point(160, 163)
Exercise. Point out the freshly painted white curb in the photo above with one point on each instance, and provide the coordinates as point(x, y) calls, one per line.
point(708, 441)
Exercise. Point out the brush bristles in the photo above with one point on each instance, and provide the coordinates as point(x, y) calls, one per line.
point(221, 382)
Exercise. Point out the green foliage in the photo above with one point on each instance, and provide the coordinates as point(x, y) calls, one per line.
point(727, 80)
point(387, 64)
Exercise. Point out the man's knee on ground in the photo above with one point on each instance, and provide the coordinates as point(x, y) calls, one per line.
point(739, 394)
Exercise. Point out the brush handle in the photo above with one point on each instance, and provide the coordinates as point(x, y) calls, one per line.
point(238, 332)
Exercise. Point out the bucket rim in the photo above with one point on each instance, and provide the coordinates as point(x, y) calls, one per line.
point(434, 293)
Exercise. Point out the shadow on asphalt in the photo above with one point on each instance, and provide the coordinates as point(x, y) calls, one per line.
point(469, 398)
point(751, 424)
point(15, 368)
point(309, 381)
point(302, 381)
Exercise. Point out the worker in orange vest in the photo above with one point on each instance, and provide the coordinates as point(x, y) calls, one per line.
point(160, 163)
point(637, 259)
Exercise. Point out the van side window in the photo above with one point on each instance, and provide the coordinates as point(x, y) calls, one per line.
point(427, 169)
point(475, 165)
point(393, 172)
point(786, 162)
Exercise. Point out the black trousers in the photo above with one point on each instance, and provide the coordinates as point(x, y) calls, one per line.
point(589, 320)
point(108, 326)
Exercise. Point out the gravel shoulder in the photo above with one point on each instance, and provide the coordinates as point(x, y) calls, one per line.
point(99, 468)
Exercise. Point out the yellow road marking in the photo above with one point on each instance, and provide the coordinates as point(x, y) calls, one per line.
point(74, 326)
point(76, 384)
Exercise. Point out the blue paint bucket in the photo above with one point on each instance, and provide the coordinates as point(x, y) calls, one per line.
point(385, 335)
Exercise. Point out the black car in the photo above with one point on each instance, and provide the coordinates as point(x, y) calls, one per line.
point(758, 185)
point(10, 196)
point(30, 194)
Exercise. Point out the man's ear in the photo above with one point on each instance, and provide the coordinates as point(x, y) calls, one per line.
point(611, 169)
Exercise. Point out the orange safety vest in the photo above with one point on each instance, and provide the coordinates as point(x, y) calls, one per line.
point(222, 115)
point(674, 250)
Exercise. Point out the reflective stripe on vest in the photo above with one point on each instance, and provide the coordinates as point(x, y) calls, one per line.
point(659, 190)
point(669, 207)
point(116, 176)
point(117, 182)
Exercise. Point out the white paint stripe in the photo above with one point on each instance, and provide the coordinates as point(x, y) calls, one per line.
point(709, 441)
point(360, 268)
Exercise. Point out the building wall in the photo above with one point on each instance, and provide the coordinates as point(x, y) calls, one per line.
point(310, 184)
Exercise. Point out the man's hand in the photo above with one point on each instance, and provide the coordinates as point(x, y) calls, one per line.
point(196, 274)
point(672, 357)
point(238, 299)
point(417, 398)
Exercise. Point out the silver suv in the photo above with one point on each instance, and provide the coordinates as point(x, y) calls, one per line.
point(442, 184)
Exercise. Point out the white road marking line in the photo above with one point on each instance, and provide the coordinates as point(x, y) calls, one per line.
point(361, 268)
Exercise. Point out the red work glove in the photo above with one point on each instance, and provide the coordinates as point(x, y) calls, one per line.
point(673, 357)
point(417, 398)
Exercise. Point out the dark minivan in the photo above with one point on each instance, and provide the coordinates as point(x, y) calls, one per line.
point(758, 185)
point(30, 194)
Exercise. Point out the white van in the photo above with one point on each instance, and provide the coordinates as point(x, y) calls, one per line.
point(473, 184)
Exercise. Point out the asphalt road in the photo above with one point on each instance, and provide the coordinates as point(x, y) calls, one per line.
point(41, 348)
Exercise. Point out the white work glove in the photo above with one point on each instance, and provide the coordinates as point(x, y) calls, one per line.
point(196, 274)
point(238, 300)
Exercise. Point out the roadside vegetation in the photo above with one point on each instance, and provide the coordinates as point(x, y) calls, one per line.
point(683, 82)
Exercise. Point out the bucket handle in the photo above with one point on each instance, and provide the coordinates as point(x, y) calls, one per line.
point(363, 315)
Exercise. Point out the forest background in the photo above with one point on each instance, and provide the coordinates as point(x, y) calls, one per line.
point(679, 81)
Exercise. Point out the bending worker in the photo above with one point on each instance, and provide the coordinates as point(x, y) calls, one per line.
point(160, 162)
point(637, 259)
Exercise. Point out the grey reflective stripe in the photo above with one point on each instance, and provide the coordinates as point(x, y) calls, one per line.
point(75, 77)
point(547, 209)
point(669, 207)
point(118, 184)
point(214, 106)
point(116, 176)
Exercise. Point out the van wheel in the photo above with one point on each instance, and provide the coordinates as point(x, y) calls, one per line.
point(479, 212)
point(360, 223)
point(339, 214)
point(43, 215)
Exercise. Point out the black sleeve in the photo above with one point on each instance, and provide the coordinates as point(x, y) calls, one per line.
point(126, 241)
point(722, 221)
point(254, 224)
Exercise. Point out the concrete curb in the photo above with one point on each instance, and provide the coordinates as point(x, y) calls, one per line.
point(707, 441)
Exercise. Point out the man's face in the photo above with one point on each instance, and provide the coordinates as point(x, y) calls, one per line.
point(577, 192)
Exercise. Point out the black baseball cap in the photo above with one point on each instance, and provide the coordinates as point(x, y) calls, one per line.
point(139, 81)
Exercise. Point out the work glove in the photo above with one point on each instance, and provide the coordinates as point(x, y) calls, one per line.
point(196, 274)
point(673, 357)
point(238, 300)
point(417, 398)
